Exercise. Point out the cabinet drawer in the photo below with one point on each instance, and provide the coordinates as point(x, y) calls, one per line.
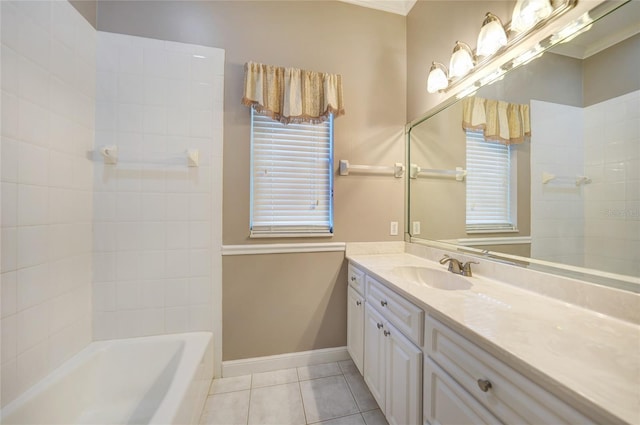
point(356, 279)
point(446, 402)
point(404, 315)
point(511, 397)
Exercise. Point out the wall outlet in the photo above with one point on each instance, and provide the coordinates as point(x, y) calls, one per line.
point(416, 228)
point(393, 228)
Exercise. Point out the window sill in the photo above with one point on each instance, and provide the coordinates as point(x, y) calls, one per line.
point(253, 235)
point(498, 230)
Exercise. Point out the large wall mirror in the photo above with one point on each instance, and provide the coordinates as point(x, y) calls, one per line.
point(567, 198)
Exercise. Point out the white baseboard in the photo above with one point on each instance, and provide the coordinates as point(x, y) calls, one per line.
point(283, 361)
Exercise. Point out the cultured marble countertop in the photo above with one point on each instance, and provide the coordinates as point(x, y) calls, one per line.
point(591, 359)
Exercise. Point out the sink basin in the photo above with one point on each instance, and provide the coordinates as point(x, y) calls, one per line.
point(435, 278)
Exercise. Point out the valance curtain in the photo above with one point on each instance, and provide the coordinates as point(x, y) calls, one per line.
point(291, 94)
point(503, 122)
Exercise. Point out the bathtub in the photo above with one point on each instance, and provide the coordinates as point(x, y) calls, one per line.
point(149, 380)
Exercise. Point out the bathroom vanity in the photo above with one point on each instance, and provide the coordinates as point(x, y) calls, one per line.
point(440, 348)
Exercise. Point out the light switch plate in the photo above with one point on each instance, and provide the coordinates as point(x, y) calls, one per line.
point(393, 228)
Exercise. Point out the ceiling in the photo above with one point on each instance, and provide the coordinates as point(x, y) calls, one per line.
point(619, 25)
point(401, 7)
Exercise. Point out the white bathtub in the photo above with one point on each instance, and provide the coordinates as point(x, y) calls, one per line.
point(150, 380)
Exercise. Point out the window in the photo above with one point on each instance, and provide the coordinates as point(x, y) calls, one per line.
point(291, 178)
point(490, 185)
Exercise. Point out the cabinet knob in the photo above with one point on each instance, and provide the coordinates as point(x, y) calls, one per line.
point(353, 278)
point(358, 302)
point(379, 325)
point(484, 384)
point(383, 303)
point(387, 333)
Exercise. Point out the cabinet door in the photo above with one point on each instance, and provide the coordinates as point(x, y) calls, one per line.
point(374, 360)
point(355, 327)
point(447, 403)
point(404, 379)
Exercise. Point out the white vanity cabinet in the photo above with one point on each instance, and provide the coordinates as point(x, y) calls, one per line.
point(355, 328)
point(355, 316)
point(464, 384)
point(392, 361)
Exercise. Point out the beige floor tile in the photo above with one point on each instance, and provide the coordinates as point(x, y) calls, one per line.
point(360, 392)
point(327, 398)
point(345, 420)
point(374, 417)
point(318, 371)
point(227, 385)
point(276, 405)
point(226, 409)
point(277, 377)
point(348, 366)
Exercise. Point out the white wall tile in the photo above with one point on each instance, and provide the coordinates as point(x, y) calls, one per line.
point(33, 246)
point(33, 205)
point(161, 210)
point(8, 293)
point(9, 252)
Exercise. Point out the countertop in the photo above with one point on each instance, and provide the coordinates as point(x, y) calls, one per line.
point(590, 359)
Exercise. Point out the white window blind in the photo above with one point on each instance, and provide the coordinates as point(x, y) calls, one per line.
point(291, 178)
point(488, 185)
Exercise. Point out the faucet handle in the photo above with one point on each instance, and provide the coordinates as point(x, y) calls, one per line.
point(466, 268)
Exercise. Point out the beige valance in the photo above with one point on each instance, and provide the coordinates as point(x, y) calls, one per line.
point(291, 94)
point(503, 122)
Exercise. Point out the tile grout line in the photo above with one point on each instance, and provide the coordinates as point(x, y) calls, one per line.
point(304, 411)
point(250, 393)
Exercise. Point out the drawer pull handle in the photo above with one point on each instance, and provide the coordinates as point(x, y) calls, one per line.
point(383, 303)
point(380, 326)
point(387, 333)
point(353, 278)
point(484, 385)
point(358, 302)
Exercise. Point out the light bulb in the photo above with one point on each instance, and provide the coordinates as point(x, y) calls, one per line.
point(492, 36)
point(461, 60)
point(527, 13)
point(437, 79)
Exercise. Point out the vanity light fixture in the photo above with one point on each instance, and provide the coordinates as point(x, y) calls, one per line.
point(492, 36)
point(527, 13)
point(437, 79)
point(468, 71)
point(461, 60)
point(571, 31)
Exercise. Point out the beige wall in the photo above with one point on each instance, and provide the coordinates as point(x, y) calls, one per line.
point(618, 65)
point(283, 303)
point(88, 9)
point(368, 48)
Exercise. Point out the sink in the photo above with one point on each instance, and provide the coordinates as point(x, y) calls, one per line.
point(435, 278)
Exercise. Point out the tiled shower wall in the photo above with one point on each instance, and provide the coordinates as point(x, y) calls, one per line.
point(48, 101)
point(557, 208)
point(612, 201)
point(157, 228)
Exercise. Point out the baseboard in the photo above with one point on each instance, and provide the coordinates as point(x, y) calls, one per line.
point(283, 361)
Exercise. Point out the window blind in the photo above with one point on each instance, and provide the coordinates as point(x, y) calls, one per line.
point(291, 178)
point(488, 185)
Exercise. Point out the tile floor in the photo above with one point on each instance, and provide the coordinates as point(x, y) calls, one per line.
point(327, 394)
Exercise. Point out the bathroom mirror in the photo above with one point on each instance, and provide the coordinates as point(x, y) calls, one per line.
point(571, 191)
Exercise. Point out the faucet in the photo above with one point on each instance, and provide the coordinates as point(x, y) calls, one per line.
point(455, 266)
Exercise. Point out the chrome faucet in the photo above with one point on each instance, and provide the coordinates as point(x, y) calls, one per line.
point(455, 266)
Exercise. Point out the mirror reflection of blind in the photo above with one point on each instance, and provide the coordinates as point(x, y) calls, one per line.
point(488, 179)
point(291, 177)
